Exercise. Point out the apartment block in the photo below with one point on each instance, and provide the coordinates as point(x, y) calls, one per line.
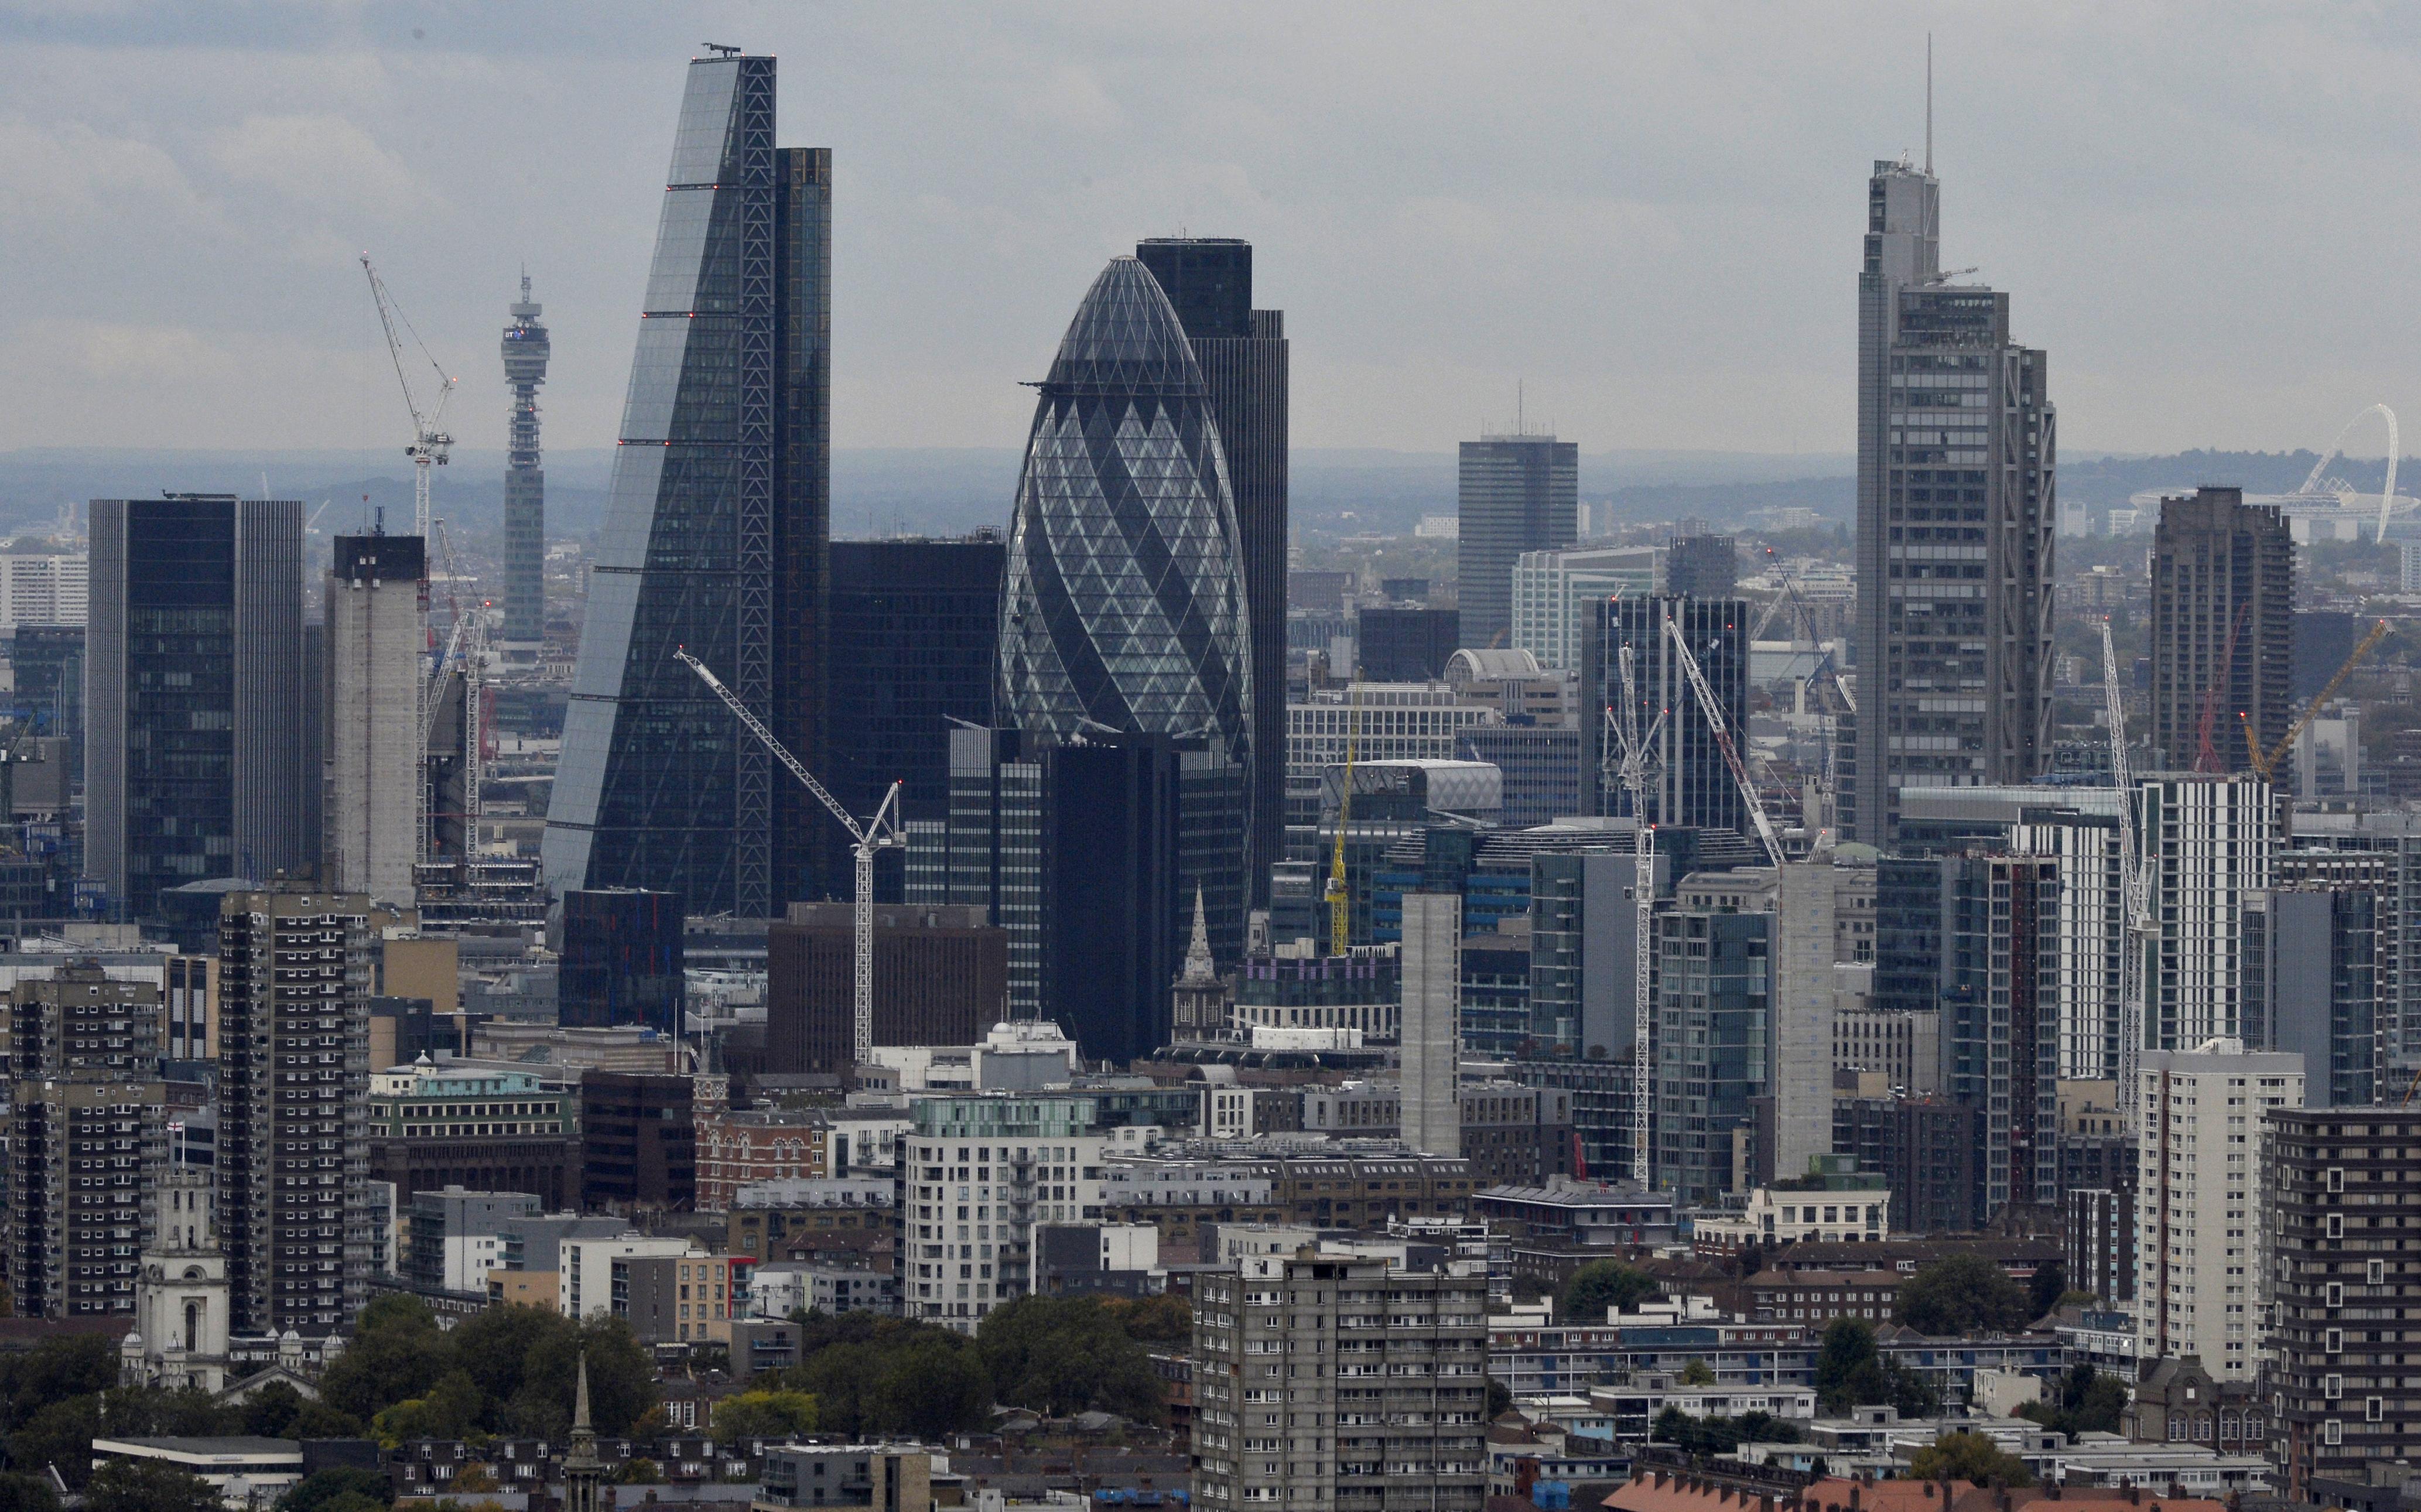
point(1333, 1378)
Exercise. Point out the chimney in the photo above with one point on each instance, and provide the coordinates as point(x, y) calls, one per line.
point(1853, 1496)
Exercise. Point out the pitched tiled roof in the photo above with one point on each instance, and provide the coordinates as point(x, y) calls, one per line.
point(1665, 1491)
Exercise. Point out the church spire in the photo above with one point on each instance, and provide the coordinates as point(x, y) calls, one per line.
point(580, 1401)
point(583, 1472)
point(1198, 965)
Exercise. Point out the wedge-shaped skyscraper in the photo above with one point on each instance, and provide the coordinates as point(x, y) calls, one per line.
point(1124, 607)
point(716, 531)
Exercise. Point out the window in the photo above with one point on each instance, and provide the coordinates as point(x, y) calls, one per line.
point(2337, 1225)
point(2371, 1409)
point(2333, 1431)
point(2337, 1178)
point(2334, 1292)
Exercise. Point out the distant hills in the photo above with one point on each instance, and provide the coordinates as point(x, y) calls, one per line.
point(949, 491)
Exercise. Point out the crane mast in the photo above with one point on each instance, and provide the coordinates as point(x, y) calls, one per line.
point(431, 445)
point(879, 834)
point(1724, 741)
point(2136, 924)
point(1632, 748)
point(1340, 902)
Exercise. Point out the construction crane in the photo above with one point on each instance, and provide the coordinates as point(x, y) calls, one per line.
point(2133, 890)
point(1340, 902)
point(1724, 741)
point(429, 445)
point(2267, 763)
point(877, 835)
point(1633, 756)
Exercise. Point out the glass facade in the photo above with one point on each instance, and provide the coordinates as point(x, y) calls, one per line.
point(715, 535)
point(1514, 494)
point(915, 629)
point(201, 749)
point(1124, 608)
point(1694, 785)
point(1714, 1036)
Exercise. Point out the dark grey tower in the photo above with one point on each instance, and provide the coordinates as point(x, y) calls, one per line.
point(1243, 354)
point(1516, 493)
point(716, 531)
point(525, 354)
point(200, 759)
point(1956, 509)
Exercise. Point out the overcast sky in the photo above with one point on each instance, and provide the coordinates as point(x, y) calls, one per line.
point(1649, 214)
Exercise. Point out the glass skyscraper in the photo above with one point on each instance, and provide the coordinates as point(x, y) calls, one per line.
point(716, 532)
point(1515, 493)
point(1124, 608)
point(203, 752)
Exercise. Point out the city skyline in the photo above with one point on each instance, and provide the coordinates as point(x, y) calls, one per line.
point(1429, 275)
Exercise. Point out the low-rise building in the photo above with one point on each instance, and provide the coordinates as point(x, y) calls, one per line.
point(1598, 1214)
point(765, 1215)
point(246, 1473)
point(1816, 1297)
point(1769, 1216)
point(486, 1127)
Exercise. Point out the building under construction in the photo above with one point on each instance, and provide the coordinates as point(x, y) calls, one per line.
point(377, 602)
point(2223, 629)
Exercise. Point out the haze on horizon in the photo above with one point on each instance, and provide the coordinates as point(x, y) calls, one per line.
point(1650, 218)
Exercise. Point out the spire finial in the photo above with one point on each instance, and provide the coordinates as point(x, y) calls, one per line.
point(1928, 104)
point(580, 1399)
point(1198, 965)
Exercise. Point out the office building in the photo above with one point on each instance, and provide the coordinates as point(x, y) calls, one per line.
point(1541, 770)
point(2001, 970)
point(201, 748)
point(1400, 645)
point(1584, 944)
point(622, 959)
point(1554, 594)
point(1800, 1075)
point(376, 604)
point(1690, 784)
point(1028, 1159)
point(2207, 845)
point(1710, 1058)
point(1515, 493)
point(1702, 567)
point(525, 352)
point(2091, 935)
point(1927, 1151)
point(295, 968)
point(47, 662)
point(2321, 1000)
point(2339, 1186)
point(2202, 1282)
point(453, 1235)
point(940, 978)
point(1381, 722)
point(42, 591)
point(1433, 1044)
point(1390, 1353)
point(1957, 506)
point(478, 1125)
point(1091, 855)
point(191, 985)
point(2223, 629)
point(1243, 354)
point(916, 634)
point(1124, 610)
point(638, 1141)
point(716, 526)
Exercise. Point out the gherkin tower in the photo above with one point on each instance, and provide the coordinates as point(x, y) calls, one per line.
point(1124, 610)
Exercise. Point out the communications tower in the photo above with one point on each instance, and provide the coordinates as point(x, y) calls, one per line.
point(525, 354)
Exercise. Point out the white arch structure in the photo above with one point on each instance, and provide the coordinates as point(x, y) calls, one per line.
point(2336, 449)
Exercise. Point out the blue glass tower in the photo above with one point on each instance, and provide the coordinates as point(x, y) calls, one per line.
point(716, 531)
point(1124, 611)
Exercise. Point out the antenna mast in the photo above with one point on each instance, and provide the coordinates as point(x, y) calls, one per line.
point(1928, 104)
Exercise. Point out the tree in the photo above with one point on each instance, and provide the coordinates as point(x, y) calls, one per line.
point(1064, 1355)
point(84, 1364)
point(1500, 1400)
point(1849, 1344)
point(1697, 1373)
point(449, 1411)
point(495, 1349)
point(2083, 1400)
point(347, 1488)
point(1166, 1318)
point(59, 1436)
point(26, 1493)
point(763, 1414)
point(1602, 1284)
point(154, 1413)
point(1962, 1294)
point(1969, 1456)
point(931, 1390)
point(318, 1420)
point(639, 1472)
point(2043, 1293)
point(148, 1485)
point(397, 1353)
point(271, 1410)
point(622, 1380)
point(1706, 1437)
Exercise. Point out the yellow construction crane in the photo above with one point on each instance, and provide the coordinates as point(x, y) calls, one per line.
point(1340, 902)
point(2267, 764)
